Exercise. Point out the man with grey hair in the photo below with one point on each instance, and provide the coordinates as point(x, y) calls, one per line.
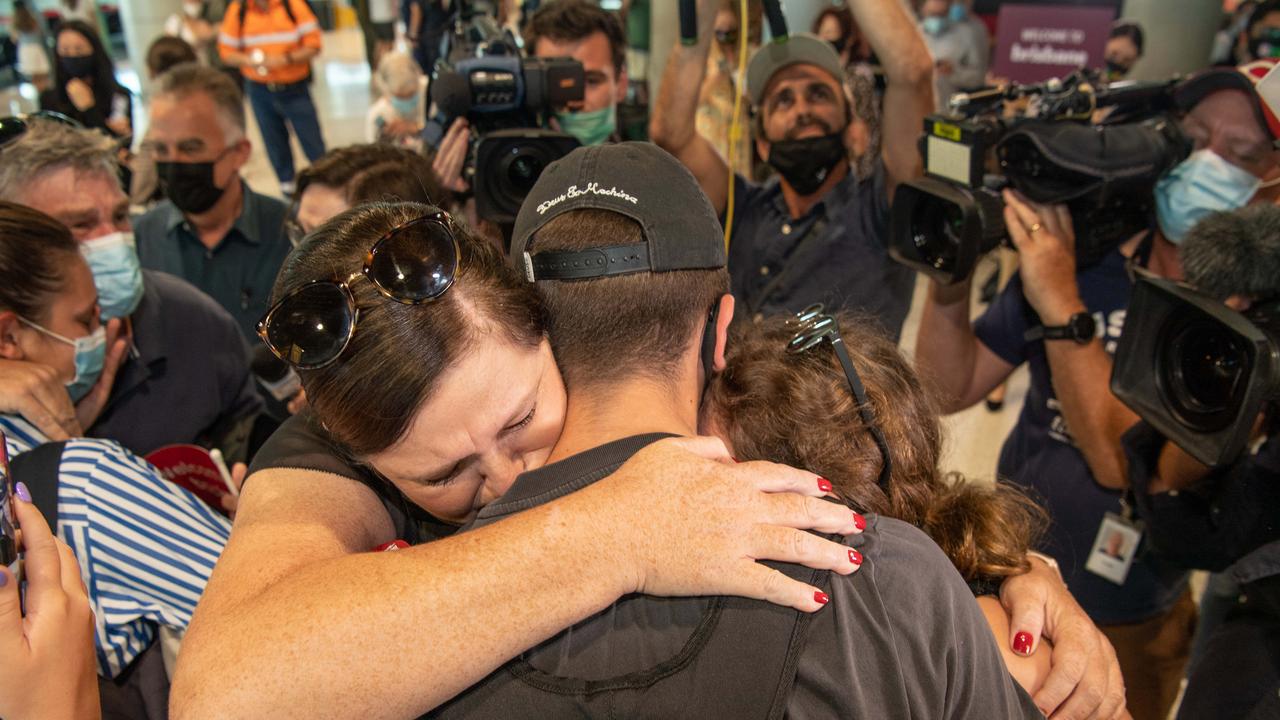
point(211, 229)
point(184, 375)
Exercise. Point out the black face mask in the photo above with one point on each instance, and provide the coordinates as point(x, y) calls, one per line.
point(806, 164)
point(840, 44)
point(1115, 70)
point(77, 67)
point(189, 185)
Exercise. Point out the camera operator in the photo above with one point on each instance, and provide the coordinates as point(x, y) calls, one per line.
point(1231, 511)
point(1063, 322)
point(564, 28)
point(816, 235)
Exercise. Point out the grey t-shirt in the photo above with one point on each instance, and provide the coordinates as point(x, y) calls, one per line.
point(902, 637)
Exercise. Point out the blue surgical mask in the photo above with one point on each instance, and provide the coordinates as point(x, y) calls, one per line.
point(958, 13)
point(113, 259)
point(1202, 184)
point(91, 354)
point(934, 25)
point(591, 128)
point(405, 107)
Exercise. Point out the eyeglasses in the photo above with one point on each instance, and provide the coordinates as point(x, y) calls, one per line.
point(813, 327)
point(413, 264)
point(15, 126)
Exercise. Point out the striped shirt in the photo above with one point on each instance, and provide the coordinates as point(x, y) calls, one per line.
point(146, 546)
point(273, 33)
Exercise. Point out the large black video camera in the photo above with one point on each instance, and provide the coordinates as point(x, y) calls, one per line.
point(1196, 370)
point(507, 99)
point(1052, 152)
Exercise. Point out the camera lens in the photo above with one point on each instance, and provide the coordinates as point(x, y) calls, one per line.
point(937, 233)
point(523, 170)
point(1202, 370)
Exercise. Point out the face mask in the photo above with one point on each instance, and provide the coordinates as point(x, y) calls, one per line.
point(404, 107)
point(91, 354)
point(805, 164)
point(958, 13)
point(116, 273)
point(591, 128)
point(189, 185)
point(191, 10)
point(934, 25)
point(840, 44)
point(1115, 70)
point(77, 67)
point(1202, 184)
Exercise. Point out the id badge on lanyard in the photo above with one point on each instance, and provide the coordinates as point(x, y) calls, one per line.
point(1116, 544)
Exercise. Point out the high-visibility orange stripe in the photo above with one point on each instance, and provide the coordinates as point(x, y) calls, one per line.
point(273, 33)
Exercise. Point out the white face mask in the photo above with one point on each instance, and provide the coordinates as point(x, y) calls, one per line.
point(192, 10)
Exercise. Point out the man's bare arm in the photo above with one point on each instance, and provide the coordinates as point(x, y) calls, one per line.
point(1081, 374)
point(673, 125)
point(908, 94)
point(949, 355)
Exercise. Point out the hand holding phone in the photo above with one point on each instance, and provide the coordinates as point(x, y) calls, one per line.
point(10, 556)
point(47, 663)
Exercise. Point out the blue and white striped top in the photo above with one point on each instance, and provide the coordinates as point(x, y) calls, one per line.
point(146, 546)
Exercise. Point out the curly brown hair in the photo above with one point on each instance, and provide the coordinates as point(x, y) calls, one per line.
point(798, 409)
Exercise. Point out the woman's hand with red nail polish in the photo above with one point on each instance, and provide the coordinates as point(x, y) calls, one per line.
point(689, 525)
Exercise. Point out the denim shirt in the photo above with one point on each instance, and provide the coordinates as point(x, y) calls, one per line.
point(836, 254)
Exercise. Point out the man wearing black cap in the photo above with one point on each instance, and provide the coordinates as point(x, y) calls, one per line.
point(627, 254)
point(1066, 446)
point(818, 234)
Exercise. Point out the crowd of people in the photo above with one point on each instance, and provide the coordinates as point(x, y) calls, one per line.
point(651, 449)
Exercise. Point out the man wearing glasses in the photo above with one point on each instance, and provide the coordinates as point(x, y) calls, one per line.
point(212, 230)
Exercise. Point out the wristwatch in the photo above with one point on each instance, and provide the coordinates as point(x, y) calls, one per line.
point(1080, 327)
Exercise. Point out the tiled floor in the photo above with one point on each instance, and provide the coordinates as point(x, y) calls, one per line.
point(342, 95)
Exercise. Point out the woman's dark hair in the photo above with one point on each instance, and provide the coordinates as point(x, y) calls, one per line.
point(1131, 30)
point(34, 250)
point(167, 51)
point(372, 172)
point(797, 409)
point(369, 397)
point(848, 28)
point(104, 76)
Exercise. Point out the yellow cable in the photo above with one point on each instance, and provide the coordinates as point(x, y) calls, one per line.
point(735, 125)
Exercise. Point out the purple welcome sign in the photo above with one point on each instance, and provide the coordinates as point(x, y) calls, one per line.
point(1037, 42)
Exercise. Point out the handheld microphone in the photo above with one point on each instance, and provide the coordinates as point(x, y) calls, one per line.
point(688, 22)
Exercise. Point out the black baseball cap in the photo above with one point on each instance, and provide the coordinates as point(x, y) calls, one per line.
point(638, 180)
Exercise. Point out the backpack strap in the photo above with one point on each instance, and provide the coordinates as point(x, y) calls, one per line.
point(37, 468)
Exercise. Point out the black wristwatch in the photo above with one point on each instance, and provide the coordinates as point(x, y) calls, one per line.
point(1080, 327)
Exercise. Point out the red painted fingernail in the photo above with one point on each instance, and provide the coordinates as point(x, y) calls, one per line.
point(1022, 643)
point(859, 522)
point(855, 557)
point(824, 485)
point(820, 597)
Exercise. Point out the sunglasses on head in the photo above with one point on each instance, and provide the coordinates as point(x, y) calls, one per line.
point(15, 126)
point(415, 263)
point(813, 327)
